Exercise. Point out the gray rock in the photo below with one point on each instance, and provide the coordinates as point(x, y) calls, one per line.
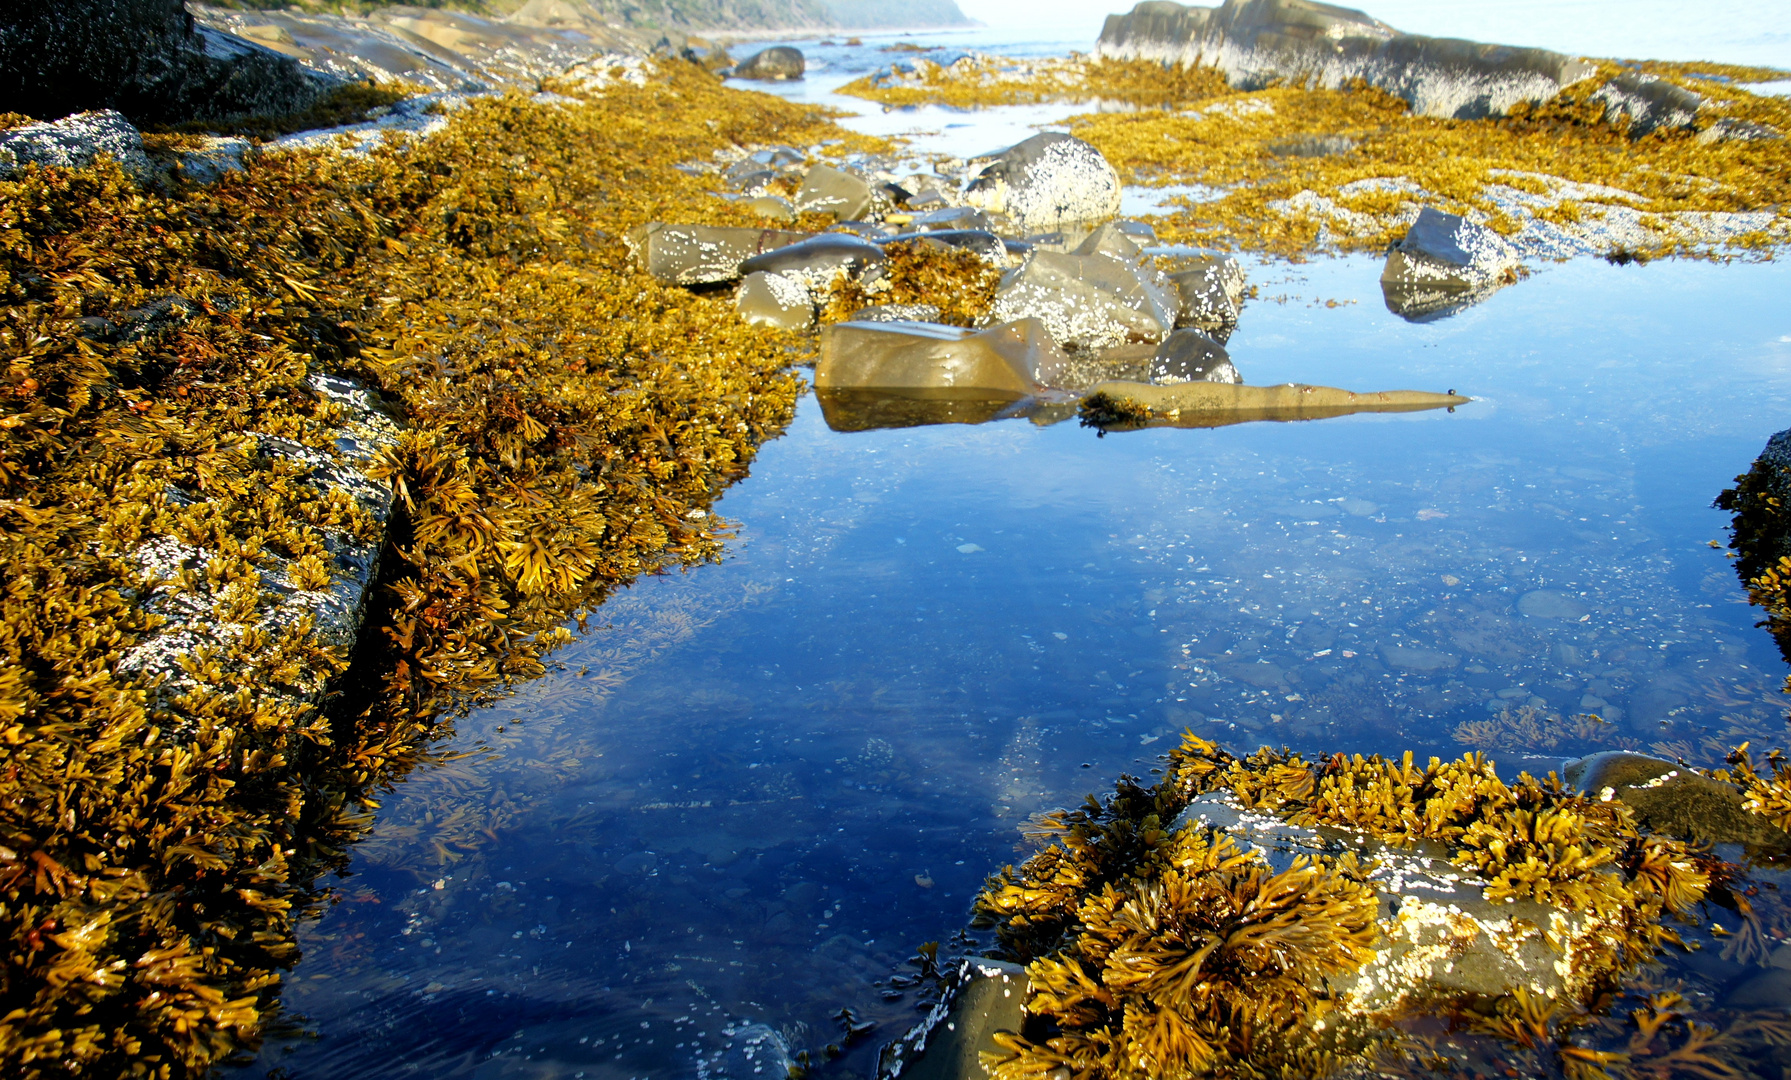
point(828, 190)
point(1257, 43)
point(772, 207)
point(1639, 104)
point(754, 181)
point(1191, 356)
point(1139, 232)
point(1046, 182)
point(1008, 360)
point(1729, 129)
point(775, 64)
point(1089, 301)
point(951, 217)
point(775, 300)
point(1771, 989)
point(819, 261)
point(992, 248)
point(1444, 264)
point(75, 142)
point(1673, 799)
point(987, 996)
point(1205, 296)
point(922, 313)
point(1110, 240)
point(702, 254)
point(209, 163)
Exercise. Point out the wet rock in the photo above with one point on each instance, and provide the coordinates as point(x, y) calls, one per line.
point(828, 190)
point(1011, 359)
point(819, 261)
point(753, 181)
point(702, 254)
point(990, 247)
point(988, 996)
point(137, 324)
point(1639, 104)
point(1257, 43)
point(1111, 240)
point(1046, 182)
point(774, 207)
point(1089, 301)
point(1207, 404)
point(775, 300)
point(1413, 658)
point(923, 313)
point(1191, 356)
point(1311, 146)
point(1770, 989)
point(75, 142)
point(209, 163)
point(1444, 264)
point(775, 64)
point(951, 217)
point(1207, 294)
point(1674, 799)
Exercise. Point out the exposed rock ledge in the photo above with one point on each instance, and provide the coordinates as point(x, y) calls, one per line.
point(1256, 42)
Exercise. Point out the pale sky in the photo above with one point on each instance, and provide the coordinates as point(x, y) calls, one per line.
point(1733, 31)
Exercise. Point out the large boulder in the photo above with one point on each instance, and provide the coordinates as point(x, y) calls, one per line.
point(75, 142)
point(145, 58)
point(1089, 301)
point(1443, 264)
point(1046, 182)
point(702, 254)
point(775, 64)
point(1009, 360)
point(1673, 799)
point(1257, 43)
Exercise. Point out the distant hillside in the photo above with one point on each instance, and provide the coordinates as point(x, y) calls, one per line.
point(684, 15)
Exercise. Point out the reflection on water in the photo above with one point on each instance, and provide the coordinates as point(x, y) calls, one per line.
point(749, 793)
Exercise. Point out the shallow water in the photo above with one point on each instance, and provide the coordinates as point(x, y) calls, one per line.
point(755, 788)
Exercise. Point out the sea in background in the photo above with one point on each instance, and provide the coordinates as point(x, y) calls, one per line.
point(740, 802)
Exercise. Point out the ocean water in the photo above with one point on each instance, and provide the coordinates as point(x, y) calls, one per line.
point(744, 798)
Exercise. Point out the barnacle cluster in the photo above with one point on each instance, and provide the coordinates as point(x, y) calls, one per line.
point(1163, 951)
point(1289, 170)
point(567, 423)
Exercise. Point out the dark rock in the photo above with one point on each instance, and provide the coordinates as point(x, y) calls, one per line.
point(75, 142)
point(774, 64)
point(1674, 799)
point(1641, 103)
point(1770, 989)
point(1444, 264)
point(1257, 43)
point(951, 217)
point(702, 254)
point(1191, 356)
point(988, 996)
point(144, 58)
point(151, 320)
point(1729, 129)
point(828, 190)
point(1046, 182)
point(826, 255)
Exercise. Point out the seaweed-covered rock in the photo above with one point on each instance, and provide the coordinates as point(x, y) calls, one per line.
point(144, 58)
point(774, 64)
point(1641, 103)
point(775, 300)
point(991, 248)
point(1444, 264)
point(75, 142)
point(1191, 356)
point(1257, 43)
point(1011, 359)
point(1046, 182)
point(702, 254)
point(834, 191)
point(1089, 301)
point(1673, 799)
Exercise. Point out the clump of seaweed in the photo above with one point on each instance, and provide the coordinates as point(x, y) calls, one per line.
point(1104, 410)
point(981, 82)
point(1528, 728)
point(1760, 534)
point(1140, 939)
point(956, 281)
point(569, 421)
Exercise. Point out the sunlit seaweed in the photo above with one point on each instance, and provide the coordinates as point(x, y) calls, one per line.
point(1144, 968)
point(569, 422)
point(988, 81)
point(955, 280)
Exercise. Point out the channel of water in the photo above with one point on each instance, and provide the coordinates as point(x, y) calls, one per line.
point(750, 791)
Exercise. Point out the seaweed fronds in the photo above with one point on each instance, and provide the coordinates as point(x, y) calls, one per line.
point(1104, 410)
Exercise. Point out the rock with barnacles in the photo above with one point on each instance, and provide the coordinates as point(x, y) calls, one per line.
point(1009, 360)
point(75, 142)
point(989, 247)
point(1089, 301)
point(1046, 182)
point(773, 65)
point(985, 996)
point(1674, 799)
point(1190, 356)
point(819, 261)
point(951, 217)
point(1207, 293)
point(702, 254)
point(1443, 264)
point(828, 190)
point(1639, 104)
point(775, 300)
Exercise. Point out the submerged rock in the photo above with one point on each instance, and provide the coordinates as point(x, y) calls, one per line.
point(774, 64)
point(775, 300)
point(1257, 43)
point(1674, 799)
point(834, 191)
point(987, 996)
point(1191, 356)
point(1444, 264)
point(1089, 301)
point(702, 254)
point(1639, 104)
point(1011, 359)
point(1046, 182)
point(922, 313)
point(75, 142)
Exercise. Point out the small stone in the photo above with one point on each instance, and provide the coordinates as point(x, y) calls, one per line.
point(923, 881)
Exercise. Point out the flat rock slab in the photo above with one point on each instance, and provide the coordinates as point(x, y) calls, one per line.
point(1012, 358)
point(1205, 404)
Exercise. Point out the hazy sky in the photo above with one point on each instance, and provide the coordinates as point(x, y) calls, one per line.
point(1735, 31)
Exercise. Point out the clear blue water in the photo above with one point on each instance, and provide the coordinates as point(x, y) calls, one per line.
point(753, 789)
